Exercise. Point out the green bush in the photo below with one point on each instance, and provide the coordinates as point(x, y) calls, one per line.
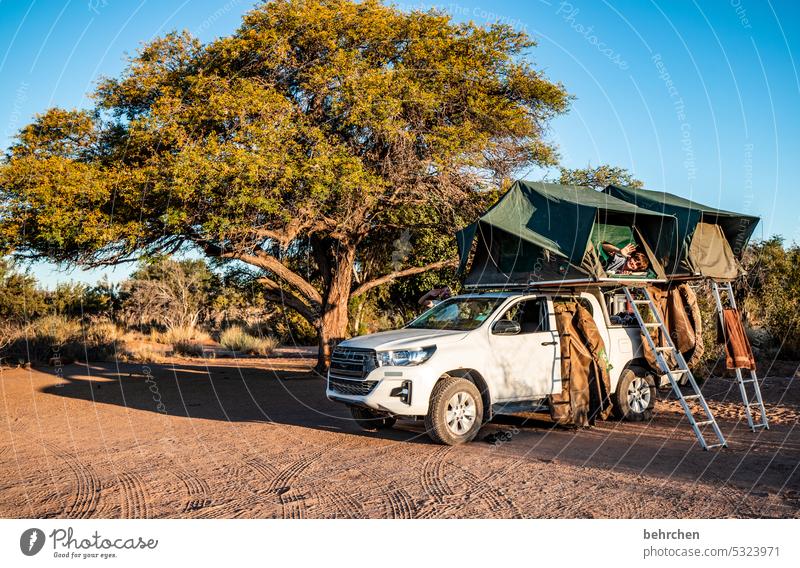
point(236, 339)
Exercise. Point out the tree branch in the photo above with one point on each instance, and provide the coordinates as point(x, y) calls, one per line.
point(266, 261)
point(366, 286)
point(288, 298)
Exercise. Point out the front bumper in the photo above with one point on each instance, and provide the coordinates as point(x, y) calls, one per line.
point(400, 391)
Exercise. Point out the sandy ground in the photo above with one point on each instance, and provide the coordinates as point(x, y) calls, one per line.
point(257, 438)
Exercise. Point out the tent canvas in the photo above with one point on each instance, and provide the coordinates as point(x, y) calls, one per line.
point(709, 241)
point(548, 233)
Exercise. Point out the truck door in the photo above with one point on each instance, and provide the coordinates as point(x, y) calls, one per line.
point(526, 360)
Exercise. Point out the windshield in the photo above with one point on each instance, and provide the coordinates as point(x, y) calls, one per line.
point(459, 314)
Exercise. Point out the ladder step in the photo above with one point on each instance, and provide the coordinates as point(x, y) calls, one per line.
point(712, 446)
point(641, 301)
point(692, 396)
point(652, 324)
point(748, 381)
point(663, 349)
point(704, 422)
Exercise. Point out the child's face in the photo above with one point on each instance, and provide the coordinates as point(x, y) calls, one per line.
point(634, 265)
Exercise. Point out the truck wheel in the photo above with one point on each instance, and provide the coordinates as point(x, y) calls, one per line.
point(455, 412)
point(371, 421)
point(635, 396)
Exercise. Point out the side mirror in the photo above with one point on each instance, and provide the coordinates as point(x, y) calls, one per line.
point(506, 327)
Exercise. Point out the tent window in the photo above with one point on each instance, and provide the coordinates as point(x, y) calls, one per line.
point(517, 255)
point(617, 235)
point(710, 254)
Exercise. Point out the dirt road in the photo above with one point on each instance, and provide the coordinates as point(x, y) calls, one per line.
point(257, 438)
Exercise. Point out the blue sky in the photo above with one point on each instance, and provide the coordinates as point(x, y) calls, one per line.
point(695, 98)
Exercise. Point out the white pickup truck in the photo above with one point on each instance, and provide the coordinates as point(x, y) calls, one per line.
point(476, 355)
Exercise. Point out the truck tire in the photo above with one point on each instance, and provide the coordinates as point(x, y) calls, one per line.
point(455, 412)
point(635, 396)
point(371, 421)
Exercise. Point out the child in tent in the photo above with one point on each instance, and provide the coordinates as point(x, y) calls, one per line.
point(625, 260)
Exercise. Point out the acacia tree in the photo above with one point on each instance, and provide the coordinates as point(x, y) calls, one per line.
point(318, 129)
point(171, 293)
point(598, 177)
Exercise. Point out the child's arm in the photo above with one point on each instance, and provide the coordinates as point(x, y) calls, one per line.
point(610, 249)
point(624, 251)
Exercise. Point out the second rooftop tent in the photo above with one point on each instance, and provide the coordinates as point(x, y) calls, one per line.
point(709, 242)
point(542, 233)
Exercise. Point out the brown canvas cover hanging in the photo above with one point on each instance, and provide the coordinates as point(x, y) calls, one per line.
point(678, 308)
point(738, 353)
point(585, 382)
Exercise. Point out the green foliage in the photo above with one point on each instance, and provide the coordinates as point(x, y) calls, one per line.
point(77, 299)
point(21, 299)
point(773, 293)
point(316, 133)
point(598, 177)
point(237, 339)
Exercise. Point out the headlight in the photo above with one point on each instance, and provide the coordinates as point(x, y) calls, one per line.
point(405, 357)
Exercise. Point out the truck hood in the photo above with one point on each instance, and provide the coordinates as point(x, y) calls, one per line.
point(405, 339)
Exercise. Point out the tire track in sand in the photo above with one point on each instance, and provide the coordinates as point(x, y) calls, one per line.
point(134, 499)
point(447, 501)
point(87, 485)
point(400, 504)
point(198, 494)
point(434, 483)
point(293, 496)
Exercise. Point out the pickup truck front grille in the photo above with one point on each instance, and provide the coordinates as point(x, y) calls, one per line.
point(353, 388)
point(352, 363)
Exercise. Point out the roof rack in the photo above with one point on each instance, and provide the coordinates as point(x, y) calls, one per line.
point(562, 284)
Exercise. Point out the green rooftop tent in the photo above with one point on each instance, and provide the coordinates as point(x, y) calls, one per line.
point(541, 233)
point(710, 241)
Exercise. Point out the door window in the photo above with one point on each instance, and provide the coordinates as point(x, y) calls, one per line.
point(531, 315)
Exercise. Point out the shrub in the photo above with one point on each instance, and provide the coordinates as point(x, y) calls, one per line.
point(187, 348)
point(58, 336)
point(236, 339)
point(57, 330)
point(179, 335)
point(103, 331)
point(142, 353)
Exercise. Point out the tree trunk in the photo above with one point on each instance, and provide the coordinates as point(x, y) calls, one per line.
point(332, 325)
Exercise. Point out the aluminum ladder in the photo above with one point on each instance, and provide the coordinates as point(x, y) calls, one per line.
point(674, 375)
point(757, 401)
